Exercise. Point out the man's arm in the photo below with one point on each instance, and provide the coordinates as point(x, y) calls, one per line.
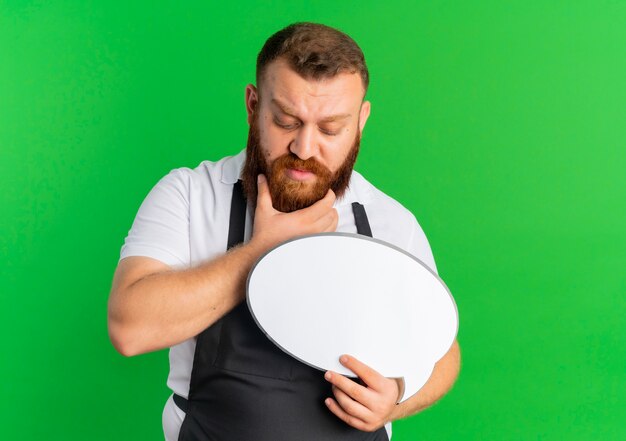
point(152, 306)
point(440, 382)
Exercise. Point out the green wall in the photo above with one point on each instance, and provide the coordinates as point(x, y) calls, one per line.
point(500, 124)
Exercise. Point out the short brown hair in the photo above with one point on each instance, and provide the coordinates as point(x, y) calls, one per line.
point(314, 51)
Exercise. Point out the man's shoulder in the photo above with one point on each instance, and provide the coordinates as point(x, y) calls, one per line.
point(392, 222)
point(373, 197)
point(224, 171)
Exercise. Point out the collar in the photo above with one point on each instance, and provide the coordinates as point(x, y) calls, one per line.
point(232, 168)
point(359, 190)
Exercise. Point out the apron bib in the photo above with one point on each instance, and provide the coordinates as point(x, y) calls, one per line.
point(244, 388)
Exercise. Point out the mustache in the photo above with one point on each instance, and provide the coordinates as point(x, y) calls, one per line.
point(292, 161)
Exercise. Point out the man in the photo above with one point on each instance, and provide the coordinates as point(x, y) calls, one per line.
point(180, 282)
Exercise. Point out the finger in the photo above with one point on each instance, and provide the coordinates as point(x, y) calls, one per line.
point(333, 221)
point(264, 198)
point(353, 421)
point(401, 388)
point(328, 199)
point(331, 196)
point(328, 223)
point(354, 390)
point(321, 207)
point(371, 377)
point(350, 406)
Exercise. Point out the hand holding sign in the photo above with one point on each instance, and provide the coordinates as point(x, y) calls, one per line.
point(366, 406)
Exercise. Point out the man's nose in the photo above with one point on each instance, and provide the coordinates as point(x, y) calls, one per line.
point(304, 145)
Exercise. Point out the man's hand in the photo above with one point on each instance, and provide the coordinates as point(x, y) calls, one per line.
point(272, 227)
point(365, 407)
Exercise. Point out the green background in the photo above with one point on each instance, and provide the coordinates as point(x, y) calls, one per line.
point(500, 124)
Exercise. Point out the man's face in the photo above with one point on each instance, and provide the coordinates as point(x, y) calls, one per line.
point(304, 135)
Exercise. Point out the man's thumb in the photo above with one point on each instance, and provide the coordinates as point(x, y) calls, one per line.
point(263, 192)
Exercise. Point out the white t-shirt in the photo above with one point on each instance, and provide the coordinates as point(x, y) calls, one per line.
point(184, 221)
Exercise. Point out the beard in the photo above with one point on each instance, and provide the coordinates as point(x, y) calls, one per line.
point(287, 194)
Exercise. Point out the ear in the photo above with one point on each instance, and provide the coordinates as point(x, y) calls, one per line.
point(252, 100)
point(364, 114)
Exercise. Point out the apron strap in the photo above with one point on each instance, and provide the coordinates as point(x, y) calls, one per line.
point(360, 218)
point(181, 402)
point(237, 222)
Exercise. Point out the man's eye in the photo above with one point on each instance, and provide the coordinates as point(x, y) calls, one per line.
point(286, 126)
point(330, 132)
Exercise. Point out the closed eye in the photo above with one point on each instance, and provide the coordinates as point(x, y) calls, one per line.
point(296, 125)
point(329, 132)
point(285, 126)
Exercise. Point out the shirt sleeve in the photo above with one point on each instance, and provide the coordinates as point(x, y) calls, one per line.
point(419, 246)
point(161, 228)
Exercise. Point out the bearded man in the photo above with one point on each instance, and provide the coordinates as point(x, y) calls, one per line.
point(180, 281)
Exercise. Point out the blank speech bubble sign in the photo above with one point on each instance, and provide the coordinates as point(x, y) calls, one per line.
point(320, 296)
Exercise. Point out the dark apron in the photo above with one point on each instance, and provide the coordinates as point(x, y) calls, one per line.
point(244, 388)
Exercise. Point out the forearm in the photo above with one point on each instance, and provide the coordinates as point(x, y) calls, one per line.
point(168, 307)
point(440, 382)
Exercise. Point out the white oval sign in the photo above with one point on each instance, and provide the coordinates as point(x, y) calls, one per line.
point(320, 296)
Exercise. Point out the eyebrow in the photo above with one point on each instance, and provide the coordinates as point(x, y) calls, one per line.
point(288, 111)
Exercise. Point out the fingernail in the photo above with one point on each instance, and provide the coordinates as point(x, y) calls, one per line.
point(327, 375)
point(343, 359)
point(327, 401)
